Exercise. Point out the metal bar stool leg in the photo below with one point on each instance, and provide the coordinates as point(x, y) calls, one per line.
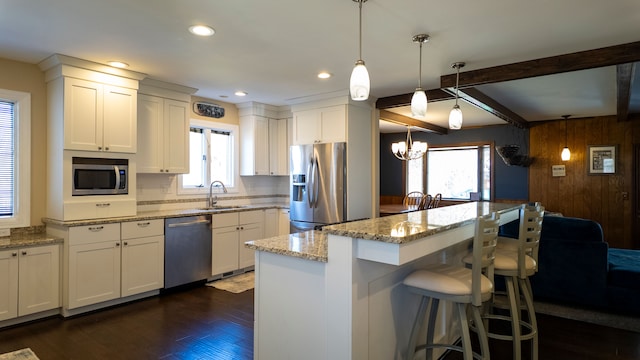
point(525, 285)
point(417, 324)
point(481, 330)
point(433, 314)
point(467, 352)
point(514, 309)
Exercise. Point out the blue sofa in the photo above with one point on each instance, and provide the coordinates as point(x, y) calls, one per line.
point(577, 267)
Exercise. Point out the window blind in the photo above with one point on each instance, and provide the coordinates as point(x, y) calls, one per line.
point(7, 149)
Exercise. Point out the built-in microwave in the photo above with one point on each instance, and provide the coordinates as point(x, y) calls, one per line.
point(99, 176)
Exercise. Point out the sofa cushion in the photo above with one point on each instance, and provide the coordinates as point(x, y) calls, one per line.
point(624, 268)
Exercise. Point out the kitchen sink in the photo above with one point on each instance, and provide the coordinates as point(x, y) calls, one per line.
point(223, 207)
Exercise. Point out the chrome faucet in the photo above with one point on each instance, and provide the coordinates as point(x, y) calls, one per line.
point(211, 200)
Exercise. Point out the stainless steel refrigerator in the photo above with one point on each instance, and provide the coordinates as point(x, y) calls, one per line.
point(318, 185)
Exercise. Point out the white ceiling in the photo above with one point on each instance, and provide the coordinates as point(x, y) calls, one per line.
point(274, 49)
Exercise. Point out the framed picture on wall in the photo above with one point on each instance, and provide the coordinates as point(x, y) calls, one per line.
point(602, 159)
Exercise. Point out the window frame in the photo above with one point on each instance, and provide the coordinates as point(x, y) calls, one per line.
point(22, 159)
point(478, 144)
point(235, 152)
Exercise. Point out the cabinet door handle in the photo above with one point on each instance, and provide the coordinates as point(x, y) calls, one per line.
point(144, 224)
point(103, 205)
point(241, 227)
point(106, 149)
point(14, 254)
point(24, 252)
point(237, 227)
point(117, 244)
point(99, 147)
point(96, 228)
point(126, 243)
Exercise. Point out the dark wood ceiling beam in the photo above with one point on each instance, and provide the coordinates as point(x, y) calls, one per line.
point(624, 80)
point(484, 102)
point(583, 60)
point(405, 120)
point(433, 95)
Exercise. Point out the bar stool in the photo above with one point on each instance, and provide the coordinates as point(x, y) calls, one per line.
point(460, 285)
point(515, 261)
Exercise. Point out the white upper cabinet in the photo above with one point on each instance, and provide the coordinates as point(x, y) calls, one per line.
point(99, 117)
point(254, 145)
point(278, 147)
point(322, 125)
point(163, 135)
point(264, 146)
point(90, 106)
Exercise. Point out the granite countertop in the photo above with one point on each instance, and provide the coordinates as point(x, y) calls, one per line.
point(397, 229)
point(310, 245)
point(404, 228)
point(30, 239)
point(163, 214)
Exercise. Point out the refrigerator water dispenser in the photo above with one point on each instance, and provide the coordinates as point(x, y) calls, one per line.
point(298, 187)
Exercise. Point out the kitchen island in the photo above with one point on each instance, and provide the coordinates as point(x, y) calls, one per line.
point(338, 293)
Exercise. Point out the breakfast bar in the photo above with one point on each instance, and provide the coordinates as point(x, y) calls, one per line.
point(338, 293)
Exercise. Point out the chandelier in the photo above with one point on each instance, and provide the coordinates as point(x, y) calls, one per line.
point(409, 150)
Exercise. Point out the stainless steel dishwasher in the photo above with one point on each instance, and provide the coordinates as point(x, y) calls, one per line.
point(187, 250)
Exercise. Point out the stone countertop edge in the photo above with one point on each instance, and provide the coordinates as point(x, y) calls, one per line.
point(161, 214)
point(404, 228)
point(37, 239)
point(309, 245)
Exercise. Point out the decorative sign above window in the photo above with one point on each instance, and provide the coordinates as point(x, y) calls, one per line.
point(208, 110)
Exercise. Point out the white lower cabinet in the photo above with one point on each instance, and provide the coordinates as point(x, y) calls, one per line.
point(93, 274)
point(109, 261)
point(29, 280)
point(230, 232)
point(142, 256)
point(270, 223)
point(283, 222)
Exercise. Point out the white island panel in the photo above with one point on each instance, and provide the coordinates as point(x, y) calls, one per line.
point(290, 308)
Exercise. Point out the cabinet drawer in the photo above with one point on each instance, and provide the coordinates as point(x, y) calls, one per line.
point(94, 233)
point(222, 220)
point(81, 210)
point(142, 228)
point(247, 217)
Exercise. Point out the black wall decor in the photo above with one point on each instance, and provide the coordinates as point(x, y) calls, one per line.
point(208, 110)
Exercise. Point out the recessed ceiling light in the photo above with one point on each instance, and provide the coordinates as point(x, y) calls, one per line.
point(241, 93)
point(324, 75)
point(201, 30)
point(118, 64)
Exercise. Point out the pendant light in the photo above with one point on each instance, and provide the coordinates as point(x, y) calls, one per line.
point(359, 83)
point(409, 150)
point(566, 153)
point(419, 98)
point(455, 116)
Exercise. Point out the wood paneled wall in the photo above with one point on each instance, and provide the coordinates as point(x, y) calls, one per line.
point(597, 197)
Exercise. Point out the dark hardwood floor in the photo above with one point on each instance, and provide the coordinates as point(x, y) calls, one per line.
point(199, 323)
point(207, 323)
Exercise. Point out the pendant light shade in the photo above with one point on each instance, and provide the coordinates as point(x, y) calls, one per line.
point(419, 104)
point(455, 116)
point(419, 98)
point(409, 150)
point(566, 153)
point(359, 84)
